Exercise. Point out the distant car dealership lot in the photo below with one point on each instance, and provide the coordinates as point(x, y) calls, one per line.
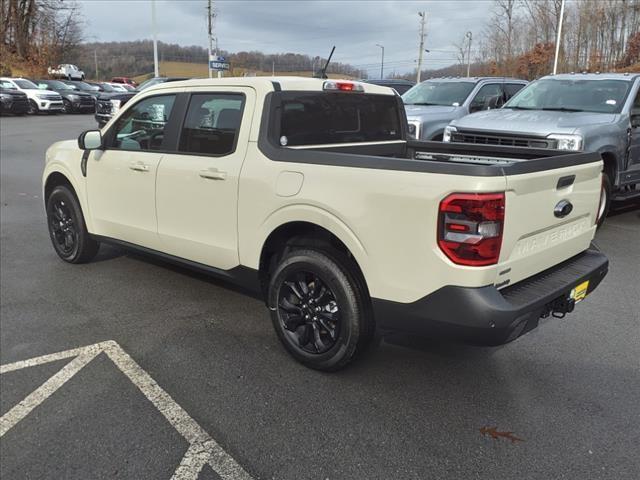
point(569, 389)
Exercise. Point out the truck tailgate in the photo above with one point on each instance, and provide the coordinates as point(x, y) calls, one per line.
point(538, 231)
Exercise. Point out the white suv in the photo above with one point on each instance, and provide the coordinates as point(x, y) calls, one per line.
point(39, 100)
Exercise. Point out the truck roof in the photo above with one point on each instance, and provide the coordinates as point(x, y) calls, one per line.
point(593, 76)
point(271, 83)
point(474, 79)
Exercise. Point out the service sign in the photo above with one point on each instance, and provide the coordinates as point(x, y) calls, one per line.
point(218, 63)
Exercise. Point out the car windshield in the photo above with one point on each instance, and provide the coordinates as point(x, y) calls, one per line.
point(438, 93)
point(572, 95)
point(150, 83)
point(58, 85)
point(118, 88)
point(84, 86)
point(4, 84)
point(107, 88)
point(26, 84)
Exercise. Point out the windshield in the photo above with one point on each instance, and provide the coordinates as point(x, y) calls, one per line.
point(579, 95)
point(438, 93)
point(118, 88)
point(25, 84)
point(326, 118)
point(84, 86)
point(58, 85)
point(149, 83)
point(4, 84)
point(107, 88)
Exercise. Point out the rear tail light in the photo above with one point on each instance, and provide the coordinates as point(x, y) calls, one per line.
point(342, 86)
point(470, 228)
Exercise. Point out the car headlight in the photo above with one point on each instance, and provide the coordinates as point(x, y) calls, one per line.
point(414, 128)
point(115, 106)
point(567, 141)
point(4, 97)
point(74, 98)
point(448, 130)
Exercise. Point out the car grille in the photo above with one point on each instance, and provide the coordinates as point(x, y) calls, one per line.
point(508, 140)
point(103, 106)
point(86, 101)
point(52, 98)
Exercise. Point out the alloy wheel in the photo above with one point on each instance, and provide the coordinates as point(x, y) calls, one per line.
point(309, 312)
point(63, 227)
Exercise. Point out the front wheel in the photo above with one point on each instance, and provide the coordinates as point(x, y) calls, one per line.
point(67, 229)
point(33, 108)
point(319, 310)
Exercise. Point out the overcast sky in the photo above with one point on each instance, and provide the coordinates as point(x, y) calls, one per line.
point(307, 27)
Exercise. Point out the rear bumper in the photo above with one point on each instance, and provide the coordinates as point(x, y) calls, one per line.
point(488, 316)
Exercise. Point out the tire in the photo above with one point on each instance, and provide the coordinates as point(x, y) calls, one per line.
point(327, 326)
point(67, 229)
point(605, 199)
point(33, 108)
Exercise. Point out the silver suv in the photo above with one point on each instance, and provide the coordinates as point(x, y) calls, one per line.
point(583, 112)
point(432, 104)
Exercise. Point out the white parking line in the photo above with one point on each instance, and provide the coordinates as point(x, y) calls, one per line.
point(202, 448)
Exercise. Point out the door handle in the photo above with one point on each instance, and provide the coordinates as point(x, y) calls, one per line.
point(139, 167)
point(213, 174)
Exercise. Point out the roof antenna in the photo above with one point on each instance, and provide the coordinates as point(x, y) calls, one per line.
point(323, 73)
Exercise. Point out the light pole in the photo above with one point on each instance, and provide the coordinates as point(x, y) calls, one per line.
point(558, 38)
point(156, 71)
point(382, 63)
point(469, 35)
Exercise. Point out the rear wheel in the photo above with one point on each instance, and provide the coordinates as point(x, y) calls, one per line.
point(319, 310)
point(605, 199)
point(67, 229)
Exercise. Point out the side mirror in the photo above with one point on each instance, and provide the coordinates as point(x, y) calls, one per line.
point(635, 121)
point(90, 140)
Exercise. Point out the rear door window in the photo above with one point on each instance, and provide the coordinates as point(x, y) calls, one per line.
point(212, 123)
point(320, 118)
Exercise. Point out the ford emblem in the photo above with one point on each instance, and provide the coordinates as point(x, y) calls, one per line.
point(562, 209)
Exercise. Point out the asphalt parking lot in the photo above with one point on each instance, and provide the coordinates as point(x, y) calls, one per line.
point(176, 363)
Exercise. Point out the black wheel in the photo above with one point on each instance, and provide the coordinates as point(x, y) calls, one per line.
point(66, 106)
point(605, 199)
point(67, 229)
point(33, 108)
point(319, 310)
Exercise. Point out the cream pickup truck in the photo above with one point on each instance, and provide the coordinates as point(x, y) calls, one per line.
point(309, 193)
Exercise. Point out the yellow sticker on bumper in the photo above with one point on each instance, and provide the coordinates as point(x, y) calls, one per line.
point(579, 292)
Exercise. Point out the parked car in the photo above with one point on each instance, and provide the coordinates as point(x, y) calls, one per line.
point(12, 100)
point(124, 80)
point(85, 87)
point(432, 104)
point(399, 85)
point(109, 101)
point(577, 112)
point(73, 100)
point(118, 87)
point(67, 71)
point(157, 80)
point(307, 191)
point(39, 100)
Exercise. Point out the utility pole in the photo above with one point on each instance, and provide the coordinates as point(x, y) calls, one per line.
point(469, 35)
point(156, 70)
point(210, 31)
point(95, 59)
point(558, 38)
point(273, 68)
point(382, 63)
point(423, 17)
